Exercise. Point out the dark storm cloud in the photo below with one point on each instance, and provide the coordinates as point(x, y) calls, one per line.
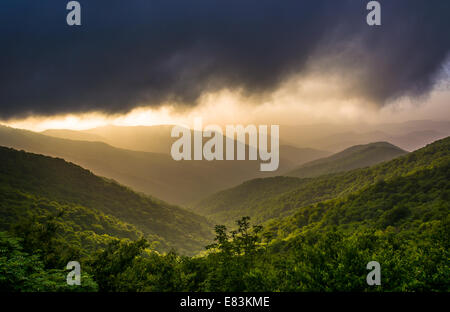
point(130, 52)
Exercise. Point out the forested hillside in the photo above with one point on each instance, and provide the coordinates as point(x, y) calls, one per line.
point(396, 213)
point(263, 199)
point(35, 186)
point(403, 203)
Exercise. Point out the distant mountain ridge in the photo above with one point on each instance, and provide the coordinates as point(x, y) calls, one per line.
point(157, 139)
point(264, 199)
point(73, 135)
point(410, 135)
point(354, 157)
point(153, 139)
point(157, 174)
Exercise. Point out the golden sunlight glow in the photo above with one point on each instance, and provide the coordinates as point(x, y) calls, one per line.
point(301, 100)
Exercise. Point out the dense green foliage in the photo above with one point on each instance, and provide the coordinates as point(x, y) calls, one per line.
point(247, 198)
point(90, 206)
point(25, 270)
point(396, 213)
point(243, 261)
point(263, 199)
point(404, 203)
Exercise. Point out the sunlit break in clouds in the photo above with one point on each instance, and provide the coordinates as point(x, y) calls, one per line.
point(165, 61)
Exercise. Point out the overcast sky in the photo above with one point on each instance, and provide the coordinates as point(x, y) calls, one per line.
point(153, 52)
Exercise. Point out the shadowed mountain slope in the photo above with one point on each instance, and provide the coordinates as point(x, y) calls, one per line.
point(36, 185)
point(267, 198)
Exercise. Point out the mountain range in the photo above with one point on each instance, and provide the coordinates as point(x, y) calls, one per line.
point(312, 234)
point(91, 208)
point(263, 199)
point(410, 135)
point(354, 157)
point(156, 174)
